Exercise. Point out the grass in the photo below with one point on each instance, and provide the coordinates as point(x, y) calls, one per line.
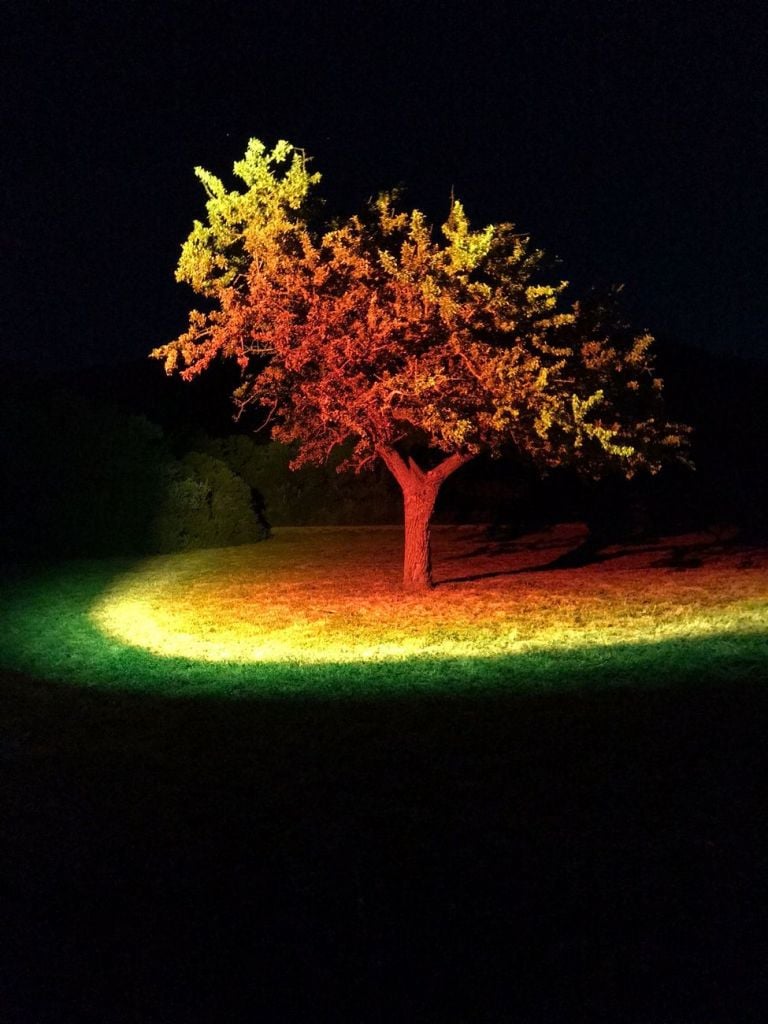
point(555, 820)
point(319, 610)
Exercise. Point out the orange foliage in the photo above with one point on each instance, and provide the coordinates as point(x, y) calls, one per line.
point(374, 331)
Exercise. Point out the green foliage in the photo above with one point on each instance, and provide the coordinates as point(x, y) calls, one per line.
point(204, 505)
point(312, 495)
point(218, 252)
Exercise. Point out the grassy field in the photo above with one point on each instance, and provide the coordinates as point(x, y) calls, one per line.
point(262, 784)
point(319, 610)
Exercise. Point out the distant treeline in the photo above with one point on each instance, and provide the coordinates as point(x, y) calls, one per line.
point(93, 467)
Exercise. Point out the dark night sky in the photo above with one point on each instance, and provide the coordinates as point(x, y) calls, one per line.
point(627, 137)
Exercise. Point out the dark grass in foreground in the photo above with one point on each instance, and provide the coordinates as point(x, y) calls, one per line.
point(506, 853)
point(593, 855)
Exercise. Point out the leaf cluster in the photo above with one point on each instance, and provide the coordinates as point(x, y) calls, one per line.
point(379, 329)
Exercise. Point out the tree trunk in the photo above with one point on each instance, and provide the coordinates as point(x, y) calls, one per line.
point(418, 506)
point(420, 492)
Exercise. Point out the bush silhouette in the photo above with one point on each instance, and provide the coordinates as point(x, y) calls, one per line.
point(81, 479)
point(312, 495)
point(204, 504)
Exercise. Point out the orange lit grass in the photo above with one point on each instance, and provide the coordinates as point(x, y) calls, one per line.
point(318, 595)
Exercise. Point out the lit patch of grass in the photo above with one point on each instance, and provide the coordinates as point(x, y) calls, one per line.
point(320, 610)
point(331, 596)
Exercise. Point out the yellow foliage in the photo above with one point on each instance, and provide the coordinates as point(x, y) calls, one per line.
point(372, 329)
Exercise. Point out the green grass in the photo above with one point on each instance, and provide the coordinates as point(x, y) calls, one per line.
point(499, 617)
point(557, 831)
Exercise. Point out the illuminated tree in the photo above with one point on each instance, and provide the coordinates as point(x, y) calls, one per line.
point(374, 332)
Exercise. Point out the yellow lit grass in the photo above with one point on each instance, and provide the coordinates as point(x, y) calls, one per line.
point(326, 594)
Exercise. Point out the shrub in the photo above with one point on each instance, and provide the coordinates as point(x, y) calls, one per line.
point(80, 479)
point(314, 495)
point(204, 504)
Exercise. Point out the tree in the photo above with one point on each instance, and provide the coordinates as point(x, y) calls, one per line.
point(416, 351)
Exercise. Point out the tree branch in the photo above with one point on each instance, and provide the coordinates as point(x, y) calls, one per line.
point(442, 471)
point(407, 472)
point(395, 463)
point(415, 468)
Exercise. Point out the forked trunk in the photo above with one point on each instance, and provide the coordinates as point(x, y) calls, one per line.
point(420, 492)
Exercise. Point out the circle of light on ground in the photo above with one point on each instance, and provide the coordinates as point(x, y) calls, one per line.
point(321, 595)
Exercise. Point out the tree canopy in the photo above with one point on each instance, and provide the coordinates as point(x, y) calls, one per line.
point(378, 332)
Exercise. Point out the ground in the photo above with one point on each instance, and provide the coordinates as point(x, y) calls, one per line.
point(557, 835)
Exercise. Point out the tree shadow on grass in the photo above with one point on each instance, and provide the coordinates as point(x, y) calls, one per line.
point(680, 556)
